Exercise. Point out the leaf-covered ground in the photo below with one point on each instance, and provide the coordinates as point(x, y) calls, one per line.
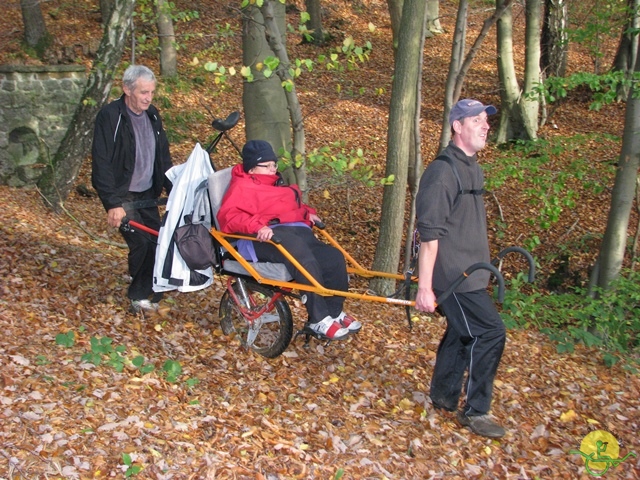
point(359, 407)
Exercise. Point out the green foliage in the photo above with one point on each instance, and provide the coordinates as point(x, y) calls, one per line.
point(102, 348)
point(550, 190)
point(132, 469)
point(66, 339)
point(594, 21)
point(604, 87)
point(336, 160)
point(147, 13)
point(172, 370)
point(610, 321)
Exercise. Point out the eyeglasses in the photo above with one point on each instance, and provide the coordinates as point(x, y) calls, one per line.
point(270, 165)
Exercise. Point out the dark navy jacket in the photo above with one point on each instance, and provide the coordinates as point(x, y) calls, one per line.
point(114, 154)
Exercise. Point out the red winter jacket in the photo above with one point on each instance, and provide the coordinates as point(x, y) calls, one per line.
point(254, 201)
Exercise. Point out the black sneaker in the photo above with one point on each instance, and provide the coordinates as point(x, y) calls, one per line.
point(482, 425)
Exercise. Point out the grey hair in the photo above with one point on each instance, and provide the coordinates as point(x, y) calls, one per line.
point(134, 72)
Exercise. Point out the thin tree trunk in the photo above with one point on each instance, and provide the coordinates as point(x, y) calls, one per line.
point(315, 20)
point(511, 122)
point(264, 101)
point(57, 180)
point(395, 14)
point(627, 52)
point(168, 53)
point(402, 117)
point(433, 17)
point(530, 105)
point(416, 166)
point(554, 42)
point(455, 64)
point(298, 150)
point(614, 242)
point(35, 30)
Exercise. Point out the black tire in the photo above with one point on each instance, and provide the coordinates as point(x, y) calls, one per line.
point(274, 328)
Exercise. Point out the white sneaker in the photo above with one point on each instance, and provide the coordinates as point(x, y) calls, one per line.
point(329, 328)
point(143, 305)
point(348, 322)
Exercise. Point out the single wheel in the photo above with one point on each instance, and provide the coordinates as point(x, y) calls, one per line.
point(268, 335)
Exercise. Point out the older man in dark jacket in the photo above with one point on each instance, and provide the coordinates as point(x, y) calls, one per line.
point(130, 157)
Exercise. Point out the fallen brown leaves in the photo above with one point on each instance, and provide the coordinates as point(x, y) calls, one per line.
point(359, 406)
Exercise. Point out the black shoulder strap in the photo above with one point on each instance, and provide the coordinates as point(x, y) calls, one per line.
point(461, 191)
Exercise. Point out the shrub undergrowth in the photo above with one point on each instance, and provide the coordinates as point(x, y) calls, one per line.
point(608, 321)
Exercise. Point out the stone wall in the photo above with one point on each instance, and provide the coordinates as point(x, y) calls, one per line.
point(37, 104)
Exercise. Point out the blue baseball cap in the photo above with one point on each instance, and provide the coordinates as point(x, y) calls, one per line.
point(469, 108)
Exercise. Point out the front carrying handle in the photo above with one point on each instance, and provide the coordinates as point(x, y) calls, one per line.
point(476, 266)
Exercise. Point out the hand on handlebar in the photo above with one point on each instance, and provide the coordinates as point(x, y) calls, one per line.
point(115, 216)
point(317, 222)
point(426, 300)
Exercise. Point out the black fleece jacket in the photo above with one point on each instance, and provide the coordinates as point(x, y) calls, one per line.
point(114, 154)
point(458, 222)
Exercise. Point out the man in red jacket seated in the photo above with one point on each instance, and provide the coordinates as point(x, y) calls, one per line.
point(257, 202)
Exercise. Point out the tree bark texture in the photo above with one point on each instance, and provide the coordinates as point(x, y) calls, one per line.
point(530, 105)
point(555, 40)
point(433, 17)
point(402, 117)
point(315, 20)
point(395, 14)
point(455, 65)
point(627, 51)
point(35, 30)
point(168, 53)
point(277, 45)
point(263, 99)
point(511, 123)
point(615, 238)
point(57, 181)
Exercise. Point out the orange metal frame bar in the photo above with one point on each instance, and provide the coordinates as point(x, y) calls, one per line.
point(315, 287)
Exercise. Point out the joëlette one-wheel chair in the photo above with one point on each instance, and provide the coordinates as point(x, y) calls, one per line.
point(254, 308)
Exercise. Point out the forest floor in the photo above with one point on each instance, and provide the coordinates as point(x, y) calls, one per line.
point(356, 409)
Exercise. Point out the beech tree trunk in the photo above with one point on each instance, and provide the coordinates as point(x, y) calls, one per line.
point(627, 52)
point(58, 178)
point(511, 121)
point(297, 173)
point(555, 39)
point(615, 238)
point(530, 105)
point(433, 17)
point(263, 99)
point(315, 20)
point(402, 118)
point(455, 65)
point(35, 30)
point(168, 53)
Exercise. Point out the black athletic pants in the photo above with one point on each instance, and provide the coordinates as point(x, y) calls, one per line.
point(474, 341)
point(324, 262)
point(142, 248)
